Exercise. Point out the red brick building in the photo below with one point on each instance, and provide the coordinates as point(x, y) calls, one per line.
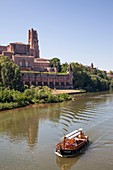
point(35, 70)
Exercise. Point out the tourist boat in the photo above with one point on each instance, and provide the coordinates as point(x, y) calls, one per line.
point(72, 144)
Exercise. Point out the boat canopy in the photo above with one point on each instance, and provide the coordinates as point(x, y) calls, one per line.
point(73, 133)
point(73, 136)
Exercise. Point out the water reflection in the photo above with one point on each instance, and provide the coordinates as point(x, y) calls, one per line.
point(66, 163)
point(23, 123)
point(19, 124)
point(34, 131)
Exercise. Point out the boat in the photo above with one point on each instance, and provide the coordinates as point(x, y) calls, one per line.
point(72, 144)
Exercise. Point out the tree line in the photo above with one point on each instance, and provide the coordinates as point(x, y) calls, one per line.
point(13, 93)
point(85, 77)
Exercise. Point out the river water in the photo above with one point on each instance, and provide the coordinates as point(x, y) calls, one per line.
point(28, 135)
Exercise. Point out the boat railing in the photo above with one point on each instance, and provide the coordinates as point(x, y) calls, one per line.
point(73, 136)
point(72, 133)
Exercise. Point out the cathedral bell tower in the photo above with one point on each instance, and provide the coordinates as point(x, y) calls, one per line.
point(33, 43)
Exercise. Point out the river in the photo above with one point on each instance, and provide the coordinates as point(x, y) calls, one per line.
point(28, 135)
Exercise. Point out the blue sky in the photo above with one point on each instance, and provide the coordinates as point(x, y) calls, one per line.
point(72, 30)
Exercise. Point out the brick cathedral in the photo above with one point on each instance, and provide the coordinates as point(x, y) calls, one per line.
point(35, 70)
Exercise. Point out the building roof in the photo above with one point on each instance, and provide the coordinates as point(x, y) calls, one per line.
point(3, 46)
point(19, 43)
point(41, 60)
point(21, 56)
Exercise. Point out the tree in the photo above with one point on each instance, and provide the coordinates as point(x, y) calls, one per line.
point(110, 72)
point(111, 84)
point(10, 74)
point(55, 62)
point(89, 80)
point(64, 67)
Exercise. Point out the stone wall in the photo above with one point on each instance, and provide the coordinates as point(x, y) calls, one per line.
point(58, 81)
point(41, 64)
point(24, 62)
point(8, 54)
point(17, 48)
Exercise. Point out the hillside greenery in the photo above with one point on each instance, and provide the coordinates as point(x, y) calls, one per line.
point(89, 78)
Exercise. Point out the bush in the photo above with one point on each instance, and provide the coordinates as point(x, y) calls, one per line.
point(6, 95)
point(11, 99)
point(11, 105)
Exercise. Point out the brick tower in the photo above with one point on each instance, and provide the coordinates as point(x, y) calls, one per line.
point(33, 43)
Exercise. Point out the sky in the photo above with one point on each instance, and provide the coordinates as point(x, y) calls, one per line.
point(71, 30)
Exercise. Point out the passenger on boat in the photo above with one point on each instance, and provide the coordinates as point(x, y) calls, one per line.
point(80, 136)
point(70, 143)
point(64, 142)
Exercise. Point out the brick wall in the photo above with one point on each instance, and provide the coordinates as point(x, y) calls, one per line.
point(3, 48)
point(19, 48)
point(24, 62)
point(57, 81)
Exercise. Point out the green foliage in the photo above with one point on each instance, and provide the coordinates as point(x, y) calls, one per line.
point(51, 99)
point(5, 96)
point(10, 75)
point(63, 97)
point(6, 106)
point(111, 84)
point(89, 79)
point(64, 67)
point(11, 99)
point(55, 62)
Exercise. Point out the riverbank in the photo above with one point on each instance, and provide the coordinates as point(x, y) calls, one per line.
point(67, 91)
point(10, 99)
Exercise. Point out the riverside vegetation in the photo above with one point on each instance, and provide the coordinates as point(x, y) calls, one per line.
point(12, 98)
point(14, 94)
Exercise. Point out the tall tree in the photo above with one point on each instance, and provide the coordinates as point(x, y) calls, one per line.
point(55, 62)
point(10, 74)
point(64, 67)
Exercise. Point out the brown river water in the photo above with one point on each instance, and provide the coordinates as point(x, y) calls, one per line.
point(28, 135)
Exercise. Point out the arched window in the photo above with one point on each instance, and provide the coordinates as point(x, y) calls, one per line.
point(27, 64)
point(23, 62)
point(20, 63)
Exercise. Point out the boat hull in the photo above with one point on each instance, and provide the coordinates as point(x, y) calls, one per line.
point(71, 153)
